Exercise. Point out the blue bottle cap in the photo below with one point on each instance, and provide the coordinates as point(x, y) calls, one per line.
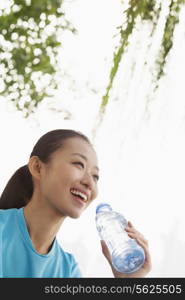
point(103, 207)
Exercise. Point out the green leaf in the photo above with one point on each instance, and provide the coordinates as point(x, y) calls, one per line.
point(23, 61)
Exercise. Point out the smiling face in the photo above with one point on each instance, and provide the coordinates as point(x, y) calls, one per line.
point(68, 182)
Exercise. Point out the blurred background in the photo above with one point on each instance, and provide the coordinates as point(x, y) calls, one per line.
point(115, 71)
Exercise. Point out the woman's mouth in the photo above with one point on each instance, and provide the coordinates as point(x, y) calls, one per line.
point(79, 197)
point(78, 200)
point(80, 194)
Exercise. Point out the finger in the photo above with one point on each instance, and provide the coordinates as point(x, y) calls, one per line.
point(131, 228)
point(146, 250)
point(147, 253)
point(133, 231)
point(138, 235)
point(130, 224)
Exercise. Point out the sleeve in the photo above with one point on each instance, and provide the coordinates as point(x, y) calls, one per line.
point(75, 270)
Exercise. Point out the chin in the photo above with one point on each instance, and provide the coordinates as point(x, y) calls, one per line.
point(74, 214)
point(74, 217)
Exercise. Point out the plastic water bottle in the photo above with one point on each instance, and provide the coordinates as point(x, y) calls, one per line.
point(127, 255)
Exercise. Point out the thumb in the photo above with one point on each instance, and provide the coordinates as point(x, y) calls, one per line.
point(105, 251)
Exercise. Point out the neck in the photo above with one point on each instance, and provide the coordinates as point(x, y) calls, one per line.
point(43, 223)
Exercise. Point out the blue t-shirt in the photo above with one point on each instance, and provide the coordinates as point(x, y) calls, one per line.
point(18, 258)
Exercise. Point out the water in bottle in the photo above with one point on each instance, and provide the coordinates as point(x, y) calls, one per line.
point(127, 255)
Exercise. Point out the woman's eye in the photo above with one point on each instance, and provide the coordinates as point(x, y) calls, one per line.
point(79, 163)
point(96, 177)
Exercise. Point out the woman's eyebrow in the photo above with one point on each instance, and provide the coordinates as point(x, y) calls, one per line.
point(84, 157)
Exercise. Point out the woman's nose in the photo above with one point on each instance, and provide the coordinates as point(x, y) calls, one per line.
point(87, 181)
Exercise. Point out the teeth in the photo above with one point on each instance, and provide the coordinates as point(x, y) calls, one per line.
point(76, 192)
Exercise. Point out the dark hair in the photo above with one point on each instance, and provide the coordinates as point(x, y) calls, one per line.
point(19, 188)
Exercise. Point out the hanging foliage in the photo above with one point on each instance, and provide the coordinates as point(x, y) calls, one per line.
point(144, 10)
point(167, 39)
point(29, 43)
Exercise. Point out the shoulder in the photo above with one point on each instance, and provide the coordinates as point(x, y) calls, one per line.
point(6, 215)
point(70, 261)
point(69, 257)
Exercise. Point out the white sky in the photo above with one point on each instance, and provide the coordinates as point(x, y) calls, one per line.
point(141, 156)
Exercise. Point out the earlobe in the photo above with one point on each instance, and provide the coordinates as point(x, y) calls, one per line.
point(34, 166)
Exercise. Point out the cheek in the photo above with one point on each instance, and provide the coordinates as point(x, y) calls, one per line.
point(54, 181)
point(95, 193)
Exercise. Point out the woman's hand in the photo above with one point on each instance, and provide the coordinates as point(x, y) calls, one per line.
point(145, 269)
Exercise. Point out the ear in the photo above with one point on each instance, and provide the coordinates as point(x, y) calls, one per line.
point(34, 167)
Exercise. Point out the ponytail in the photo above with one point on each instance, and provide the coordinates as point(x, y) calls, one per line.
point(18, 190)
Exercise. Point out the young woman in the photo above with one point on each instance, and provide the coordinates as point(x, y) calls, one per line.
point(59, 181)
